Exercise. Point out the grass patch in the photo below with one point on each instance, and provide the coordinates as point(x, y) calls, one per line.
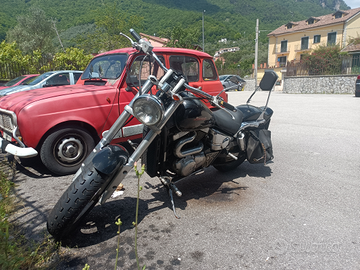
point(16, 251)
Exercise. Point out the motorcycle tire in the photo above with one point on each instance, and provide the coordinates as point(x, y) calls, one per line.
point(228, 163)
point(76, 202)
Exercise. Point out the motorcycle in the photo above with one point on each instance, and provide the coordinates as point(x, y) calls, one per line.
point(181, 137)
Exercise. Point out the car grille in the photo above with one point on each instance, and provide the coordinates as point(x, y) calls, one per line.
point(7, 120)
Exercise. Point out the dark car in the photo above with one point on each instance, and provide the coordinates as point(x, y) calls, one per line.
point(233, 80)
point(357, 87)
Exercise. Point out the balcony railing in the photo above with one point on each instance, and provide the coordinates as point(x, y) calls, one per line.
point(299, 48)
point(279, 51)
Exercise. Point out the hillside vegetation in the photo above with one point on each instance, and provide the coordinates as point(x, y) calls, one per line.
point(94, 26)
point(223, 18)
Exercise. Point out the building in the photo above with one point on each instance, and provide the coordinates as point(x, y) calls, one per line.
point(155, 41)
point(290, 41)
point(225, 50)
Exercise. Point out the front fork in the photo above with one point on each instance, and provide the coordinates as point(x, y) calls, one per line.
point(117, 177)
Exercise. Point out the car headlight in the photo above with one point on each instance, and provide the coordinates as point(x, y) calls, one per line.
point(148, 109)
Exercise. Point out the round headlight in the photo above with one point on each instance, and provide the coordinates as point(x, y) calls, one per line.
point(148, 109)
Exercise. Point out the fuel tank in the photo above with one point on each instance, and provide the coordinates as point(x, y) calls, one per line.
point(193, 114)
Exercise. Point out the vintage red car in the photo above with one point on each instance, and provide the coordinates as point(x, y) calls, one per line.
point(64, 123)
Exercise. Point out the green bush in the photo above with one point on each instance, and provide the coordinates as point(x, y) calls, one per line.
point(73, 59)
point(326, 60)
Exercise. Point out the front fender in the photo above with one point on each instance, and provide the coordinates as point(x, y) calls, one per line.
point(110, 158)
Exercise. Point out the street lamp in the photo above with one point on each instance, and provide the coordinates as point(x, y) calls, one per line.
point(203, 30)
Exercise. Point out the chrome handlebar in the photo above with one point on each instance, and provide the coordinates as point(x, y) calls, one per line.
point(146, 47)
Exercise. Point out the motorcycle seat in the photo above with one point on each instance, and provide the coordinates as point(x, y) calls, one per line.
point(226, 123)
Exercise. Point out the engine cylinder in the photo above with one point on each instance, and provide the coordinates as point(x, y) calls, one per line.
point(189, 164)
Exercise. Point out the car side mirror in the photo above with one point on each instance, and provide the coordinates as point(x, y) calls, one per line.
point(268, 80)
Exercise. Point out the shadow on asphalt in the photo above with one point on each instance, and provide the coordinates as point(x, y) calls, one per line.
point(31, 167)
point(211, 186)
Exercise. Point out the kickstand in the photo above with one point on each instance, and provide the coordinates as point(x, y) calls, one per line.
point(171, 187)
point(172, 203)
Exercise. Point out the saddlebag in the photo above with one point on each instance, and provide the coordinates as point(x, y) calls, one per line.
point(259, 146)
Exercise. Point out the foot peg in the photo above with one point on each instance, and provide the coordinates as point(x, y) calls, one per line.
point(231, 155)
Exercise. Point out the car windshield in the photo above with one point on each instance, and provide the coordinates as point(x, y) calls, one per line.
point(105, 67)
point(13, 81)
point(38, 79)
point(222, 77)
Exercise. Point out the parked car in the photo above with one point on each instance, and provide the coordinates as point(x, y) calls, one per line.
point(233, 80)
point(47, 79)
point(21, 80)
point(357, 87)
point(64, 124)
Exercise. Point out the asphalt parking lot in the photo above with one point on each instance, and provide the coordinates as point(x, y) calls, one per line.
point(300, 211)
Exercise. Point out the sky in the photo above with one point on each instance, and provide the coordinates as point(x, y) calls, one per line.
point(352, 3)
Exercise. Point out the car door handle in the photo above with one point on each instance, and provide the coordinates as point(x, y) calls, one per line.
point(197, 86)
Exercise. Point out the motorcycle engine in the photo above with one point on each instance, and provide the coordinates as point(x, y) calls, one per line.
point(191, 153)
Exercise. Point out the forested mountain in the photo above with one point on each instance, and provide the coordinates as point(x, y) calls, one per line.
point(229, 19)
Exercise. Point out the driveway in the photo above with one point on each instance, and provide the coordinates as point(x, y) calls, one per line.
point(300, 211)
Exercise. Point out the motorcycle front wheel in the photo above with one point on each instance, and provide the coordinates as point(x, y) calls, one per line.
point(76, 202)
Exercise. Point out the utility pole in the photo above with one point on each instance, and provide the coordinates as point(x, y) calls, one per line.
point(256, 50)
point(57, 33)
point(203, 39)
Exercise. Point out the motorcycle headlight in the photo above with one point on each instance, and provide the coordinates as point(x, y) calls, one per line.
point(148, 109)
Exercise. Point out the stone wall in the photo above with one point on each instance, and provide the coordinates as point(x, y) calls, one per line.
point(337, 84)
point(250, 85)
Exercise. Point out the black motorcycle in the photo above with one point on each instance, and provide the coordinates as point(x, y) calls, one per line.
point(181, 137)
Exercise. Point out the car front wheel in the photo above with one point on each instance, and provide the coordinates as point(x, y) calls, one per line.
point(65, 149)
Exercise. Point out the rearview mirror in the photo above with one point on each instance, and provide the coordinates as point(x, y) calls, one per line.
point(268, 80)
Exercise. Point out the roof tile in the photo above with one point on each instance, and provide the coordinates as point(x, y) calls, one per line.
point(323, 21)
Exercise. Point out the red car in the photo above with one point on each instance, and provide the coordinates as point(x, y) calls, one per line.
point(64, 123)
point(21, 80)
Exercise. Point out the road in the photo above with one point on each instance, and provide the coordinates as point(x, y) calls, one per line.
point(300, 211)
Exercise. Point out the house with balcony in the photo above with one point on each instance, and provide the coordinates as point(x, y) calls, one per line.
point(290, 41)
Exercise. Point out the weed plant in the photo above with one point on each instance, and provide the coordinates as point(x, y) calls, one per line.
point(16, 252)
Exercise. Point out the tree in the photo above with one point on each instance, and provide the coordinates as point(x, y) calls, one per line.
point(109, 21)
point(33, 32)
point(180, 38)
point(73, 59)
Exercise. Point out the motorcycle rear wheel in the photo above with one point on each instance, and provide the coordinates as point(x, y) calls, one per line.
point(76, 202)
point(227, 163)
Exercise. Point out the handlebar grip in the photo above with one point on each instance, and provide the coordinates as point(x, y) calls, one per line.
point(135, 35)
point(227, 106)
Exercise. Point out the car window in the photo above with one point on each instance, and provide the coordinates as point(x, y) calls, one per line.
point(234, 79)
point(13, 81)
point(187, 66)
point(59, 79)
point(40, 78)
point(222, 77)
point(209, 70)
point(26, 81)
point(142, 67)
point(77, 76)
point(108, 66)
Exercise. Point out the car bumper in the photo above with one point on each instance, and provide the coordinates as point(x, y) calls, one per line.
point(23, 152)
